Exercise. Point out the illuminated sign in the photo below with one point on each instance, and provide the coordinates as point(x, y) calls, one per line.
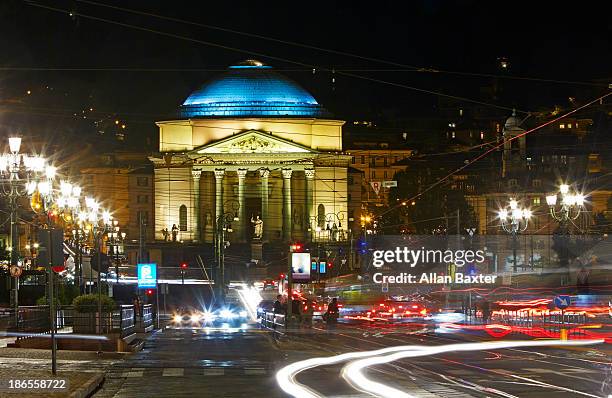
point(300, 266)
point(147, 276)
point(322, 267)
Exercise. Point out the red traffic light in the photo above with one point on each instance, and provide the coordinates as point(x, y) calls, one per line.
point(184, 265)
point(149, 292)
point(281, 276)
point(296, 247)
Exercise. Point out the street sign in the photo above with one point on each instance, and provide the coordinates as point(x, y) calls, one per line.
point(562, 302)
point(16, 271)
point(389, 184)
point(375, 186)
point(147, 275)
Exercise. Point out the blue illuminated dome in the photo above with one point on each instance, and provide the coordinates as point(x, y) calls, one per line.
point(251, 89)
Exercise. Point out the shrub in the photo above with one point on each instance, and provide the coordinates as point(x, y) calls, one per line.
point(43, 301)
point(89, 303)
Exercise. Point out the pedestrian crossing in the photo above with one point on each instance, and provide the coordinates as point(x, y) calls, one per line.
point(186, 372)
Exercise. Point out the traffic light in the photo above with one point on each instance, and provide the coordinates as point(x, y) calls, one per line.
point(149, 292)
point(281, 276)
point(296, 248)
point(184, 265)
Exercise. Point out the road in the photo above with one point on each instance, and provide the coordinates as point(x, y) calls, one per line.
point(519, 372)
point(243, 363)
point(192, 363)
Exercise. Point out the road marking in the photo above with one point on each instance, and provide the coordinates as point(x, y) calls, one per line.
point(255, 371)
point(134, 373)
point(214, 372)
point(173, 372)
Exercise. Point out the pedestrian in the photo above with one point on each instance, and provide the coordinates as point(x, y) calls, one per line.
point(331, 315)
point(278, 305)
point(486, 311)
point(166, 234)
point(582, 281)
point(136, 304)
point(296, 310)
point(308, 313)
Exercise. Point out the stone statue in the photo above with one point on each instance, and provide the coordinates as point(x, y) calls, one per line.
point(258, 226)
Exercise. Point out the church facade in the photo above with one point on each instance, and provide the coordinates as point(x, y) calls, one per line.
point(254, 153)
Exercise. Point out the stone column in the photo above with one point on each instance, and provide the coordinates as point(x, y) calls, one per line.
point(264, 174)
point(241, 204)
point(219, 174)
point(197, 232)
point(310, 174)
point(287, 204)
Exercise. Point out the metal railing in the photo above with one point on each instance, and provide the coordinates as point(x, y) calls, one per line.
point(550, 321)
point(270, 320)
point(30, 319)
point(145, 318)
point(35, 319)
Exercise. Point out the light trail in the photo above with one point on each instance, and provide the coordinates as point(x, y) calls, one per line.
point(352, 372)
point(286, 377)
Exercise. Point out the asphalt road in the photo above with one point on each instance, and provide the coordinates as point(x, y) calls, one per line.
point(218, 363)
point(514, 372)
point(194, 363)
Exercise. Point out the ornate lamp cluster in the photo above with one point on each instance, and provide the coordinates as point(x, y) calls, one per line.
point(570, 207)
point(514, 219)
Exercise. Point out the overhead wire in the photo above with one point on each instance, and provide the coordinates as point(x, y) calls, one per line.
point(405, 67)
point(268, 56)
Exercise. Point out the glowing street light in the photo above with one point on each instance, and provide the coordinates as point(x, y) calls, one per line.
point(514, 220)
point(571, 204)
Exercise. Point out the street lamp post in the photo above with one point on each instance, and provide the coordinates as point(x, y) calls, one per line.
point(116, 239)
point(100, 221)
point(224, 224)
point(19, 171)
point(514, 220)
point(572, 204)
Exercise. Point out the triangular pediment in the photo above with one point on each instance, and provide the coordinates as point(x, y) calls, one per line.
point(252, 141)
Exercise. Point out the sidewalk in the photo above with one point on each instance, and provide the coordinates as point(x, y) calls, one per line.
point(83, 370)
point(80, 384)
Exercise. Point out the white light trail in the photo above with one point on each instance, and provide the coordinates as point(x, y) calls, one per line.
point(352, 372)
point(286, 377)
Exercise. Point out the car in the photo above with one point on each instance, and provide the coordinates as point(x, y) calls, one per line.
point(271, 283)
point(195, 318)
point(399, 309)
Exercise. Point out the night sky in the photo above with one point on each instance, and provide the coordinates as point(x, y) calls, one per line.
point(550, 40)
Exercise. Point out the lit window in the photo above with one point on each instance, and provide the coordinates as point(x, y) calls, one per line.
point(481, 135)
point(562, 126)
point(536, 201)
point(460, 112)
point(453, 134)
point(569, 125)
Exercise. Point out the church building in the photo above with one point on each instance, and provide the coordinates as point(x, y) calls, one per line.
point(253, 150)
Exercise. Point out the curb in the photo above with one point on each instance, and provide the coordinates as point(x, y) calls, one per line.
point(88, 387)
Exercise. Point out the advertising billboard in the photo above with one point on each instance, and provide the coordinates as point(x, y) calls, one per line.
point(300, 267)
